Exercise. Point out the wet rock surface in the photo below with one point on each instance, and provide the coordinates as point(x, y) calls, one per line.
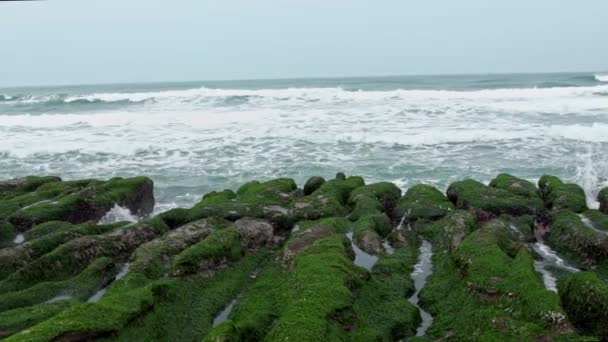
point(339, 260)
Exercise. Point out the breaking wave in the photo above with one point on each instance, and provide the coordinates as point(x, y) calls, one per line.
point(602, 77)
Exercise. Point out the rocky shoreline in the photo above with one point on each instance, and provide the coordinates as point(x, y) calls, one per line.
point(274, 262)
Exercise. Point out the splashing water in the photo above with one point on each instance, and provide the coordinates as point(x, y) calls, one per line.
point(118, 214)
point(19, 239)
point(592, 174)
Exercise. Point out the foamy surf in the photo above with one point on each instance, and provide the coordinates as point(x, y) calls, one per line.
point(192, 139)
point(602, 77)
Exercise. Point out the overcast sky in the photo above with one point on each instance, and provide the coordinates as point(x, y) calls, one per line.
point(95, 41)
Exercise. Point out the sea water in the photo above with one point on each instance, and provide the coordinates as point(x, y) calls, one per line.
point(195, 137)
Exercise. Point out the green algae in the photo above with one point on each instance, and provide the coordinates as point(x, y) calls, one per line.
point(559, 195)
point(585, 298)
point(517, 186)
point(222, 246)
point(422, 202)
point(491, 202)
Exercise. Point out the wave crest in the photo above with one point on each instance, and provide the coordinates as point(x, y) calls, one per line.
point(601, 77)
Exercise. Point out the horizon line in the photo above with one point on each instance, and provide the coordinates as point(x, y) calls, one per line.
point(298, 78)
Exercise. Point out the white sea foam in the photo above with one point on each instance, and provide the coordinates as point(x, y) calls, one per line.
point(201, 138)
point(117, 214)
point(602, 77)
point(19, 239)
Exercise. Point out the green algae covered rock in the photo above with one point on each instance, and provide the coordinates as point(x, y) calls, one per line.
point(19, 186)
point(381, 307)
point(370, 230)
point(322, 279)
point(12, 259)
point(559, 195)
point(486, 292)
point(597, 219)
point(13, 321)
point(451, 230)
point(602, 197)
point(372, 198)
point(569, 234)
point(78, 201)
point(329, 200)
point(517, 186)
point(268, 200)
point(422, 202)
point(585, 298)
point(151, 258)
point(72, 257)
point(490, 202)
point(81, 287)
point(220, 248)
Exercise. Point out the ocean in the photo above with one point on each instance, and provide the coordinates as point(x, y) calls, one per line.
point(195, 137)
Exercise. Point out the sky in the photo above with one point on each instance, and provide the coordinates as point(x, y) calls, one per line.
point(91, 41)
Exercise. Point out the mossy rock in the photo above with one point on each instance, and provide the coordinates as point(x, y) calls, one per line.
point(559, 195)
point(330, 200)
point(522, 226)
point(312, 184)
point(93, 320)
point(385, 194)
point(422, 202)
point(602, 197)
point(79, 201)
point(491, 202)
point(186, 309)
point(322, 280)
point(267, 200)
point(570, 235)
point(585, 298)
point(517, 186)
point(451, 230)
point(598, 219)
point(338, 225)
point(72, 257)
point(259, 306)
point(81, 287)
point(381, 308)
point(12, 259)
point(219, 249)
point(369, 231)
point(152, 258)
point(8, 232)
point(15, 320)
point(488, 296)
point(18, 186)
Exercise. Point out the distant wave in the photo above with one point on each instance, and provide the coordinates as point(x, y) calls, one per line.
point(536, 99)
point(238, 96)
point(602, 77)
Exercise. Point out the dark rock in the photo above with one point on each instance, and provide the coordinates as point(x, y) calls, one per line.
point(255, 233)
point(312, 184)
